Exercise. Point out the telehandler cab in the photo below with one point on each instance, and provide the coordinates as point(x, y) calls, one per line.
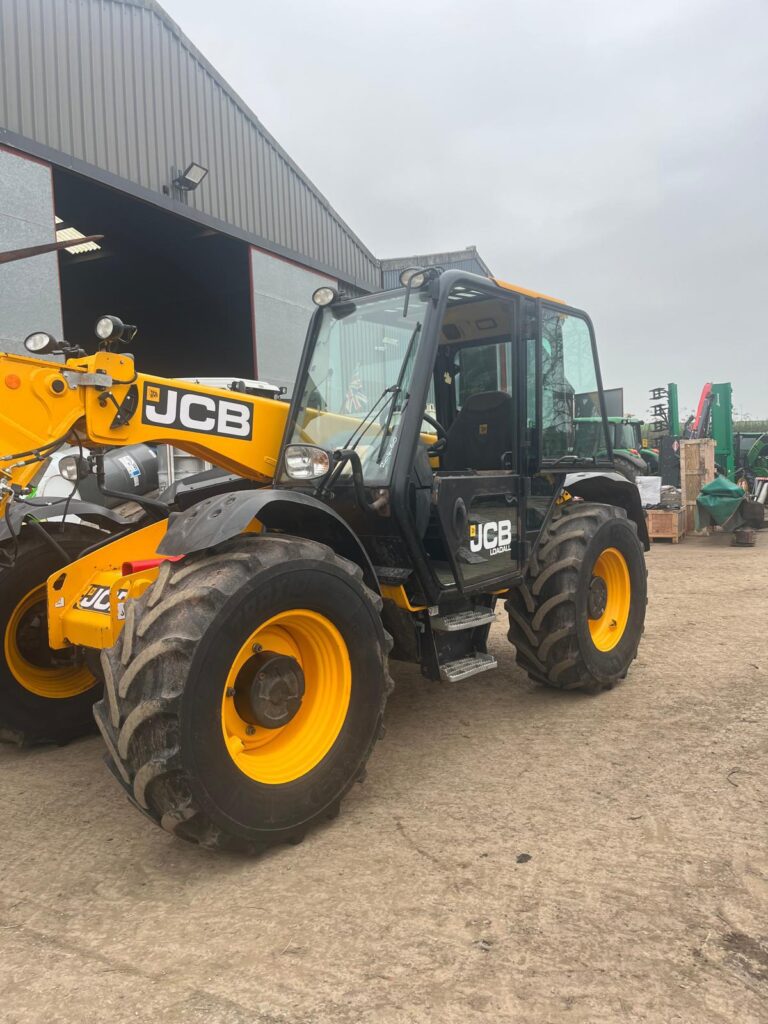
point(428, 465)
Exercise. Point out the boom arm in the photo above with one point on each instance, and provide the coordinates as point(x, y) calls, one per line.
point(101, 400)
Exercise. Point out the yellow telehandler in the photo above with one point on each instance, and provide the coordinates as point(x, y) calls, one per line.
point(431, 461)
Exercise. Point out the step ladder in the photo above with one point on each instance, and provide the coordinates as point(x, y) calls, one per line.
point(458, 660)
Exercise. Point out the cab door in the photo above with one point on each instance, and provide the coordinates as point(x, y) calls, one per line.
point(479, 492)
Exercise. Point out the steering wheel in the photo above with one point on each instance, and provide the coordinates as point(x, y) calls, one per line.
point(442, 435)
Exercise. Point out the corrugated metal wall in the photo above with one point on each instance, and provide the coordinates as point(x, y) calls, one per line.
point(467, 259)
point(114, 83)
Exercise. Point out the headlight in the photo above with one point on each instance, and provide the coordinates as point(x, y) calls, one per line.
point(72, 468)
point(305, 462)
point(39, 342)
point(324, 296)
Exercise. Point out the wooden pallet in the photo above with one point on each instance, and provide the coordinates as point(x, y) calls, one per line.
point(666, 524)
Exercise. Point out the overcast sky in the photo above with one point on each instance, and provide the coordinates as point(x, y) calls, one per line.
point(611, 153)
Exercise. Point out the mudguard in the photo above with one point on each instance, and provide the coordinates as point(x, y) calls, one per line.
point(216, 519)
point(613, 489)
point(42, 509)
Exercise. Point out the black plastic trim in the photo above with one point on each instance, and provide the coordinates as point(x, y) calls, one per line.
point(22, 510)
point(216, 519)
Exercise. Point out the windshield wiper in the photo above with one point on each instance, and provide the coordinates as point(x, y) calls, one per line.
point(357, 434)
point(347, 451)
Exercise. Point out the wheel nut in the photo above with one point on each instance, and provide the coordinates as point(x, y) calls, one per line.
point(230, 691)
point(256, 648)
point(249, 730)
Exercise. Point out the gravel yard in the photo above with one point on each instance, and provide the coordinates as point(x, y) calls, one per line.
point(515, 855)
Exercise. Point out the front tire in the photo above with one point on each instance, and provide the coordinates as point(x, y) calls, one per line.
point(46, 696)
point(246, 692)
point(577, 619)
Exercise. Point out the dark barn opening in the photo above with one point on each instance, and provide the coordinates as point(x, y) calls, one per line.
point(186, 287)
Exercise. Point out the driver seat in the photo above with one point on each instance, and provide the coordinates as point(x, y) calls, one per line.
point(481, 433)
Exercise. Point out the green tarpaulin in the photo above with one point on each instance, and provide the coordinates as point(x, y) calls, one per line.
point(718, 502)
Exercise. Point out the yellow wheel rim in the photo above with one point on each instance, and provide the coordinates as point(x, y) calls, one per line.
point(31, 660)
point(607, 629)
point(275, 756)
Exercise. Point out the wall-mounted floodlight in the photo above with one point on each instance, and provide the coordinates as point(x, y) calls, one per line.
point(188, 180)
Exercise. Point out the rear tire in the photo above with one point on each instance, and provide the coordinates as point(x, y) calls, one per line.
point(172, 719)
point(558, 642)
point(46, 696)
point(626, 468)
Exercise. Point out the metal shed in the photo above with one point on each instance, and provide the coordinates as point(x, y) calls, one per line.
point(103, 105)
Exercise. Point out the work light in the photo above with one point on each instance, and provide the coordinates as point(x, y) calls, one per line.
point(324, 296)
point(40, 343)
point(413, 276)
point(112, 328)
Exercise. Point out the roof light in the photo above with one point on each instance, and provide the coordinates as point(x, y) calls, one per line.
point(189, 179)
point(413, 277)
point(324, 296)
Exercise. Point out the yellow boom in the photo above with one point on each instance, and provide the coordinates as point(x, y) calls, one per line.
point(100, 400)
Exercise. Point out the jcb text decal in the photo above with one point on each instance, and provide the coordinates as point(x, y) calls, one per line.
point(492, 538)
point(96, 599)
point(178, 409)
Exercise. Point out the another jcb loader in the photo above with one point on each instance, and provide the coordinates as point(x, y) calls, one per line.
point(427, 466)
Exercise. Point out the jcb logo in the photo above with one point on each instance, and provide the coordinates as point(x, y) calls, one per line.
point(492, 538)
point(96, 599)
point(189, 410)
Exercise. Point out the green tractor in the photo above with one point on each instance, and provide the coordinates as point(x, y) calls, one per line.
point(631, 457)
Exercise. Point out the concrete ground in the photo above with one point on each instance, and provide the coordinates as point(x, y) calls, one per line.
point(515, 855)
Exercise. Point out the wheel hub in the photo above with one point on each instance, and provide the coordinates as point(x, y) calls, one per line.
point(32, 641)
point(269, 690)
point(598, 597)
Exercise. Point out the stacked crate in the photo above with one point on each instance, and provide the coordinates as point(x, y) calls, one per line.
point(666, 524)
point(697, 467)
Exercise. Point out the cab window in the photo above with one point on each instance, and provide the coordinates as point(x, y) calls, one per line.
point(572, 423)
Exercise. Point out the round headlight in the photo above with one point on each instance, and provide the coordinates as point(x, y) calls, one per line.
point(69, 468)
point(324, 296)
point(39, 342)
point(305, 462)
point(413, 276)
point(107, 327)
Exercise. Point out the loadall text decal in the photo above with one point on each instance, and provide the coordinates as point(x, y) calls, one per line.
point(204, 414)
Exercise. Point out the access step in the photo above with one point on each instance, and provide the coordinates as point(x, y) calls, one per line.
point(462, 668)
point(471, 618)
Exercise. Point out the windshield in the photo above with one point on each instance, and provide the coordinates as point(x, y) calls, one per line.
point(358, 378)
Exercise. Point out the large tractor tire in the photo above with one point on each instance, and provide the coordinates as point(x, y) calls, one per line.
point(46, 696)
point(246, 692)
point(577, 620)
point(626, 468)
